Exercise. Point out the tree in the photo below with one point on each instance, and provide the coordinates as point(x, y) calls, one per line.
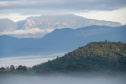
point(7, 68)
point(2, 69)
point(21, 68)
point(12, 67)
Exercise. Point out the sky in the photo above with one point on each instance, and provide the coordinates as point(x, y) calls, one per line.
point(110, 10)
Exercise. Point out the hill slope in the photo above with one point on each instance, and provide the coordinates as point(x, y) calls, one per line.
point(95, 56)
point(37, 27)
point(7, 25)
point(64, 21)
point(60, 40)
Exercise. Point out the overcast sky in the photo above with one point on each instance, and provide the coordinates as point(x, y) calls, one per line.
point(111, 10)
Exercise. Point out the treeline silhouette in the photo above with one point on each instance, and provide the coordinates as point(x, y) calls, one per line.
point(95, 56)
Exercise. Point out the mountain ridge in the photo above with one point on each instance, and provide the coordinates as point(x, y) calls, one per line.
point(61, 40)
point(42, 25)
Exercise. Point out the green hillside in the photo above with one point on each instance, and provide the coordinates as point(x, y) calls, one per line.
point(95, 56)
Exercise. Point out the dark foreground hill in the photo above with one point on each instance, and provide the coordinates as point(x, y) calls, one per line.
point(95, 56)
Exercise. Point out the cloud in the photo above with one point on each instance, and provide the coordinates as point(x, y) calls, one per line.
point(21, 9)
point(33, 7)
point(114, 15)
point(52, 5)
point(27, 31)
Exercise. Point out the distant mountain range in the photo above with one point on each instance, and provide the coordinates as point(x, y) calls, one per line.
point(61, 21)
point(7, 25)
point(36, 27)
point(60, 40)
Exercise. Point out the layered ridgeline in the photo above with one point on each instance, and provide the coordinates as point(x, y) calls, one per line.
point(62, 21)
point(60, 40)
point(95, 56)
point(37, 27)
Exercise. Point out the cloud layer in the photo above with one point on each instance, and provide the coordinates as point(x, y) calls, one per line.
point(21, 9)
point(40, 6)
point(27, 31)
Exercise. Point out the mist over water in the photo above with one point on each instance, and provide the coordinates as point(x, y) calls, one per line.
point(27, 60)
point(61, 79)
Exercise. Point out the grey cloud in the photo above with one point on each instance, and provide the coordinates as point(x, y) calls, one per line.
point(65, 4)
point(39, 6)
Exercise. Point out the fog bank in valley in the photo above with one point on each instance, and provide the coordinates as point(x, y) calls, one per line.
point(28, 61)
point(61, 79)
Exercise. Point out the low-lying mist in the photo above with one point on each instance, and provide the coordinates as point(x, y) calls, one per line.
point(29, 60)
point(62, 79)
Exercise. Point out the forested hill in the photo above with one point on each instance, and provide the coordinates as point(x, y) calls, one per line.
point(95, 56)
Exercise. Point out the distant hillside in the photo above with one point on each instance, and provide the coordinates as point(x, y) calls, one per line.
point(37, 27)
point(7, 25)
point(60, 40)
point(95, 56)
point(64, 21)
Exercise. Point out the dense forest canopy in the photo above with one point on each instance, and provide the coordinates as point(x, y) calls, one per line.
point(95, 56)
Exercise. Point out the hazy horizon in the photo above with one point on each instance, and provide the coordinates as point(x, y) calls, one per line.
point(109, 10)
point(27, 60)
point(92, 46)
point(63, 79)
